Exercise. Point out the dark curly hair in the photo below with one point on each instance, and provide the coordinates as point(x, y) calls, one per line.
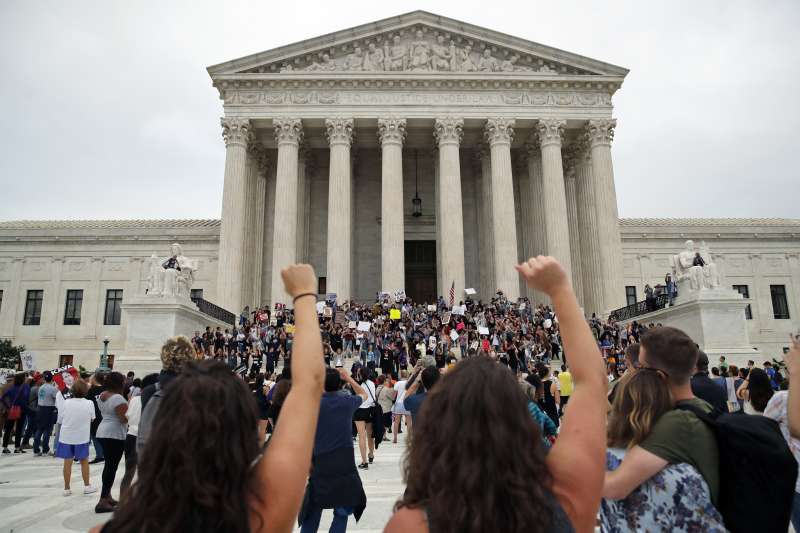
point(194, 474)
point(475, 462)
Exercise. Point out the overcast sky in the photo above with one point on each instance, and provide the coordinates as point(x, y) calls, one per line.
point(108, 111)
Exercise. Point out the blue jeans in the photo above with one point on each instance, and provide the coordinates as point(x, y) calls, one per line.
point(796, 512)
point(338, 525)
point(45, 419)
point(98, 449)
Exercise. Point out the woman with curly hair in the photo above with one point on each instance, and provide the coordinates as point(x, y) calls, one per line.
point(203, 468)
point(475, 433)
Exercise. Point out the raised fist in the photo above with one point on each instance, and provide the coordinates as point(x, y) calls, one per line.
point(544, 273)
point(299, 279)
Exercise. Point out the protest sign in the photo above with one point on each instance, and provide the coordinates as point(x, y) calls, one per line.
point(351, 324)
point(363, 326)
point(431, 308)
point(400, 295)
point(320, 307)
point(27, 361)
point(394, 314)
point(340, 318)
point(453, 335)
point(474, 345)
point(469, 292)
point(459, 310)
point(446, 317)
point(547, 323)
point(289, 328)
point(483, 330)
point(327, 312)
point(330, 297)
point(6, 374)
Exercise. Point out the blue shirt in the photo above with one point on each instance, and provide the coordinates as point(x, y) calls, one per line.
point(334, 427)
point(414, 403)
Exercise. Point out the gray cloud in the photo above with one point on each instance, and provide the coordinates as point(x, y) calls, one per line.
point(109, 113)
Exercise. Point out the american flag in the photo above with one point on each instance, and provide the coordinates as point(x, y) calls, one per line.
point(453, 294)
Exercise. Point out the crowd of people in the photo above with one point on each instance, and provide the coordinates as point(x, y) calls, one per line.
point(517, 417)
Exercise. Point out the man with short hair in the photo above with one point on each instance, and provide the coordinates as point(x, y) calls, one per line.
point(678, 436)
point(413, 400)
point(334, 482)
point(705, 388)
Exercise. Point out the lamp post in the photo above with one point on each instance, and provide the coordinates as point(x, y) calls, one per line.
point(104, 356)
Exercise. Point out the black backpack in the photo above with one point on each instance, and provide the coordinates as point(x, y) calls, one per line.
point(757, 471)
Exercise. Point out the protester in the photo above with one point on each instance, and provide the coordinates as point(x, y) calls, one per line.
point(95, 389)
point(675, 499)
point(386, 396)
point(399, 412)
point(111, 433)
point(755, 391)
point(705, 388)
point(363, 419)
point(334, 482)
point(565, 388)
point(678, 436)
point(46, 414)
point(75, 417)
point(428, 376)
point(190, 481)
point(473, 465)
point(531, 386)
point(15, 402)
point(550, 399)
point(260, 391)
point(133, 414)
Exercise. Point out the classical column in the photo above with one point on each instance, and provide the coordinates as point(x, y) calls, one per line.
point(288, 134)
point(303, 194)
point(250, 222)
point(538, 232)
point(262, 166)
point(448, 133)
point(600, 134)
point(498, 133)
point(586, 199)
point(237, 133)
point(483, 162)
point(391, 133)
point(555, 200)
point(570, 162)
point(340, 212)
point(52, 298)
point(526, 220)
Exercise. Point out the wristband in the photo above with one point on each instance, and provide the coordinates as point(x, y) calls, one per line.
point(302, 295)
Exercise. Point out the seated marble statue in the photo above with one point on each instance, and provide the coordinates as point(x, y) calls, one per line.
point(173, 276)
point(696, 267)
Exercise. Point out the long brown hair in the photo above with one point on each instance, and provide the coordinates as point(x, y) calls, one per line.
point(642, 397)
point(194, 474)
point(475, 461)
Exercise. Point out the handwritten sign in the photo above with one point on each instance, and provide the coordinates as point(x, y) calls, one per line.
point(483, 330)
point(340, 318)
point(327, 312)
point(394, 314)
point(27, 361)
point(364, 326)
point(431, 308)
point(446, 317)
point(459, 310)
point(351, 324)
point(469, 292)
point(453, 335)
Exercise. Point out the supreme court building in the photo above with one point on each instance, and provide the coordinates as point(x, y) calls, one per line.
point(416, 152)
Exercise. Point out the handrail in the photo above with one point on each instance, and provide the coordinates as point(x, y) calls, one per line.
point(215, 311)
point(640, 308)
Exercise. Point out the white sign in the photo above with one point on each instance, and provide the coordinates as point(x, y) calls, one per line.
point(459, 310)
point(400, 295)
point(469, 292)
point(320, 307)
point(27, 361)
point(474, 345)
point(6, 374)
point(364, 326)
point(453, 335)
point(483, 330)
point(522, 306)
point(431, 308)
point(548, 324)
point(351, 324)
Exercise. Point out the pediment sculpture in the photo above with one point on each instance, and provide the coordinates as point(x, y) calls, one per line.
point(171, 276)
point(694, 267)
point(418, 52)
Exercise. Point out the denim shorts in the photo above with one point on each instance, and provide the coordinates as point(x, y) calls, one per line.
point(78, 452)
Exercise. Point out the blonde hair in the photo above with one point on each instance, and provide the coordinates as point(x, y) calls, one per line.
point(176, 352)
point(641, 398)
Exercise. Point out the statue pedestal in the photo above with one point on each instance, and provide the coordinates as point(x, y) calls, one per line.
point(151, 320)
point(714, 319)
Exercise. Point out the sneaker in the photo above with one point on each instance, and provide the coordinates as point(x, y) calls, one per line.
point(37, 454)
point(96, 460)
point(371, 458)
point(89, 489)
point(19, 450)
point(364, 466)
point(6, 450)
point(103, 507)
point(67, 492)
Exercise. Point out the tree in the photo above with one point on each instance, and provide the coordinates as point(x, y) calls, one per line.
point(9, 355)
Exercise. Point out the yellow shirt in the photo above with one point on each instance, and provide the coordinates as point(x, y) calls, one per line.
point(565, 380)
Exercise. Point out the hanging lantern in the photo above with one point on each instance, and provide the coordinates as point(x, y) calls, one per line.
point(416, 202)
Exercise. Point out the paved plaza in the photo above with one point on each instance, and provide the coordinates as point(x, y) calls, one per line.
point(31, 494)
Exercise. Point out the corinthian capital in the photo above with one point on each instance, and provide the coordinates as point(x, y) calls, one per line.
point(391, 130)
point(236, 131)
point(600, 132)
point(551, 130)
point(288, 130)
point(448, 130)
point(339, 130)
point(499, 131)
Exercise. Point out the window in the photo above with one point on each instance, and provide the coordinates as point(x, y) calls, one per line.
point(780, 307)
point(630, 294)
point(322, 285)
point(113, 310)
point(64, 360)
point(33, 308)
point(744, 290)
point(196, 294)
point(72, 309)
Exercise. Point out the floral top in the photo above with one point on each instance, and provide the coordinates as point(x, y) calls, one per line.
point(676, 499)
point(777, 409)
point(549, 429)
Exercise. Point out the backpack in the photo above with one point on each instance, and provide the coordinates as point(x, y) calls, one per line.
point(757, 483)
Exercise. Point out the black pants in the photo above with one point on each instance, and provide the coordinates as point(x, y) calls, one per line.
point(387, 421)
point(112, 450)
point(16, 426)
point(130, 463)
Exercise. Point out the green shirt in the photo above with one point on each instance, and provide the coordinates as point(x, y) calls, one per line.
point(680, 437)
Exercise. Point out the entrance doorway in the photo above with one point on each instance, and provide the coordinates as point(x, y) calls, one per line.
point(421, 270)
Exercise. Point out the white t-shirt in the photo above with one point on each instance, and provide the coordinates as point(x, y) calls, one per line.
point(369, 388)
point(134, 413)
point(75, 417)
